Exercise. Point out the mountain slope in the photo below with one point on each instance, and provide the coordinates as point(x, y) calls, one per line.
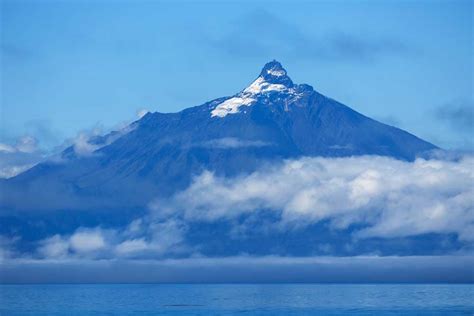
point(270, 120)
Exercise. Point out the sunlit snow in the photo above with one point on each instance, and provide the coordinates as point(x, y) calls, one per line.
point(248, 96)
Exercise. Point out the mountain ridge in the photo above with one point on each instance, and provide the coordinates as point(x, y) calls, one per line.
point(161, 152)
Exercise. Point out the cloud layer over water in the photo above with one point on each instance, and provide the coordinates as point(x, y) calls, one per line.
point(244, 269)
point(388, 197)
point(362, 197)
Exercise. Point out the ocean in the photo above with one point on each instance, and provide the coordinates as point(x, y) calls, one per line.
point(238, 299)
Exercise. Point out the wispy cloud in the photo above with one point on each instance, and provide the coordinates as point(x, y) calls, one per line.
point(24, 153)
point(84, 144)
point(87, 142)
point(141, 113)
point(19, 157)
point(232, 143)
point(264, 33)
point(26, 144)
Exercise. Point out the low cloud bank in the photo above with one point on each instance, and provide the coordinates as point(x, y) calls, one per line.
point(386, 197)
point(140, 239)
point(446, 269)
point(364, 197)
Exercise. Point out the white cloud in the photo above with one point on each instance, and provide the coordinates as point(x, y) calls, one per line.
point(391, 198)
point(25, 144)
point(84, 241)
point(132, 246)
point(158, 238)
point(83, 145)
point(384, 197)
point(11, 171)
point(25, 153)
point(147, 238)
point(232, 142)
point(15, 159)
point(54, 247)
point(86, 143)
point(141, 113)
point(7, 148)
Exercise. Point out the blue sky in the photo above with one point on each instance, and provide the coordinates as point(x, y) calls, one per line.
point(72, 65)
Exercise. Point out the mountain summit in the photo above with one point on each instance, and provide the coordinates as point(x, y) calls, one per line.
point(270, 120)
point(273, 72)
point(273, 80)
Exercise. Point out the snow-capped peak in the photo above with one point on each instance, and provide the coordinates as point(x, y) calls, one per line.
point(272, 78)
point(274, 72)
point(260, 85)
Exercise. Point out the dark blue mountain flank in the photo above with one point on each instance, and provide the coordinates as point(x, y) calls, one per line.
point(271, 119)
point(118, 175)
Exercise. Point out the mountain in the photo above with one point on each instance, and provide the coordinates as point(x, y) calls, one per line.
point(270, 120)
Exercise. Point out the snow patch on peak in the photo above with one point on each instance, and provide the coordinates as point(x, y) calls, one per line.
point(247, 97)
point(231, 106)
point(272, 79)
point(276, 72)
point(262, 86)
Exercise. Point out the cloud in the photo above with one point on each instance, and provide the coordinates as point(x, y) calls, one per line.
point(87, 142)
point(359, 199)
point(229, 143)
point(243, 269)
point(232, 143)
point(19, 157)
point(381, 196)
point(54, 247)
point(83, 242)
point(87, 241)
point(83, 145)
point(141, 113)
point(132, 246)
point(25, 144)
point(264, 33)
point(25, 153)
point(145, 238)
point(155, 238)
point(7, 172)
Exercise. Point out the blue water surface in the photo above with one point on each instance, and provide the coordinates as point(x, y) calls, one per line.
point(241, 299)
